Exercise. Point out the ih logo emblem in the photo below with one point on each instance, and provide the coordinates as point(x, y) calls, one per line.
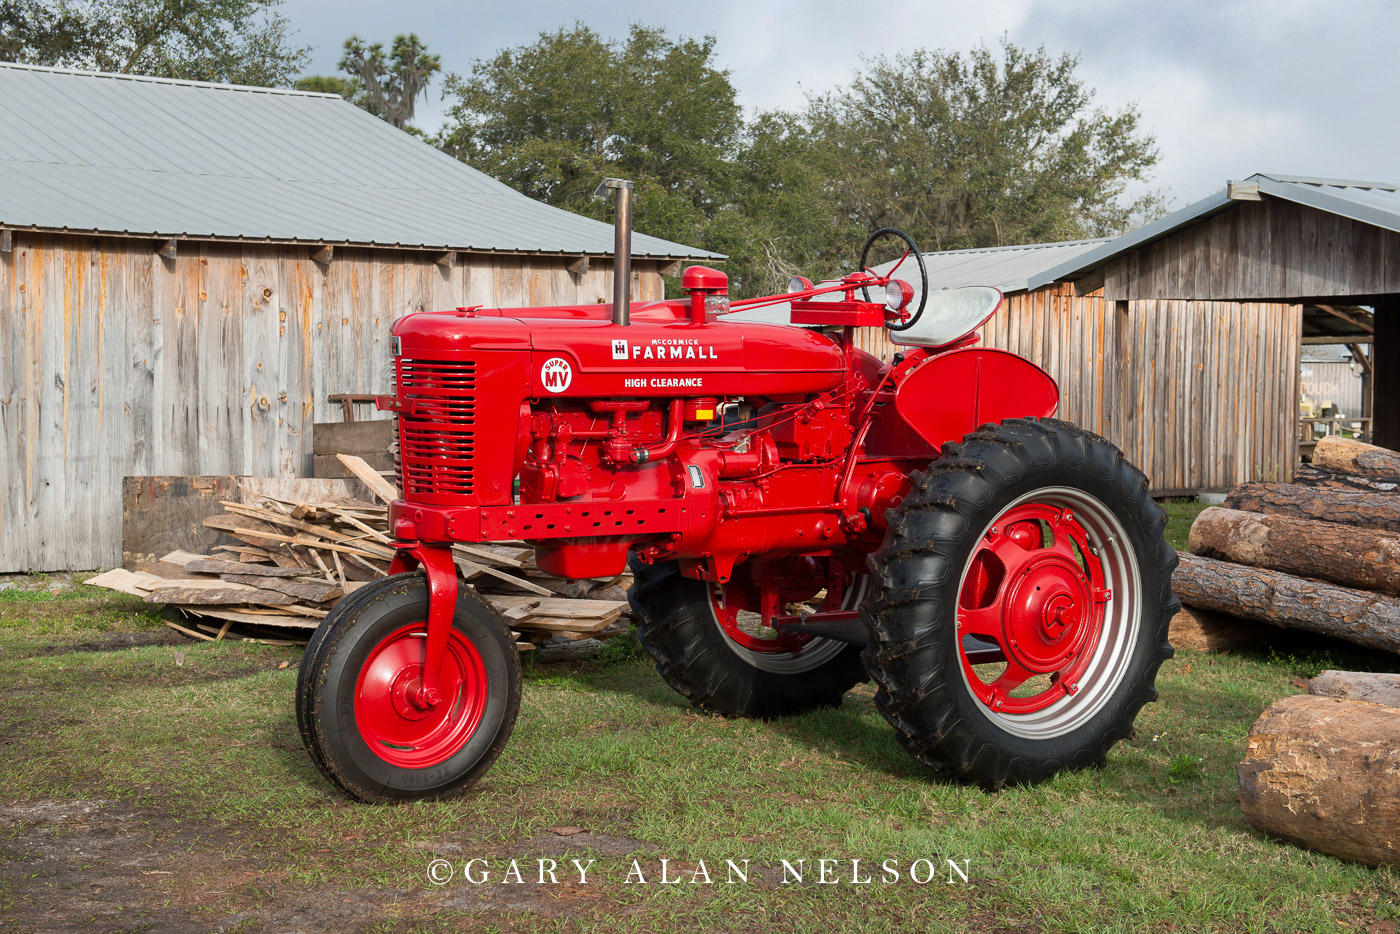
point(556, 374)
point(620, 349)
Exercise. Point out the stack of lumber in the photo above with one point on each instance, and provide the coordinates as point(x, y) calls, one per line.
point(1322, 554)
point(289, 562)
point(1322, 769)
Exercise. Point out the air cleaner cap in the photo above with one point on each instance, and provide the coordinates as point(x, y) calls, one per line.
point(704, 279)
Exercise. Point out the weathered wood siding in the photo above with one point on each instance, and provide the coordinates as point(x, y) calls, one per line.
point(115, 362)
point(1261, 250)
point(1200, 395)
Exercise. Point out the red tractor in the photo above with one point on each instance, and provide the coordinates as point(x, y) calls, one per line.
point(798, 516)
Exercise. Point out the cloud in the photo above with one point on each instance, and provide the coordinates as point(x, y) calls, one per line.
point(1228, 88)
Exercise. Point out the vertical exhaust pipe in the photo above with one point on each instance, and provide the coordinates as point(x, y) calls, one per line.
point(622, 247)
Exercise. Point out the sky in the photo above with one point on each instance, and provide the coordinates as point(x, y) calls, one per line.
point(1227, 87)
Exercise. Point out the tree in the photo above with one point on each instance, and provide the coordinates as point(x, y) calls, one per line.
point(347, 88)
point(982, 150)
point(38, 33)
point(553, 118)
point(237, 41)
point(389, 87)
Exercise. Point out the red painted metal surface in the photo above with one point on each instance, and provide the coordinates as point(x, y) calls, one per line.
point(733, 447)
point(441, 572)
point(398, 729)
point(1035, 588)
point(944, 397)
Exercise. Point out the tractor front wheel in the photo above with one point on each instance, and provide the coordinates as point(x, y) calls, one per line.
point(358, 681)
point(1022, 604)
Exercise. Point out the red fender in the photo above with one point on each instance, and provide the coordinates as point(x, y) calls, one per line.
point(950, 394)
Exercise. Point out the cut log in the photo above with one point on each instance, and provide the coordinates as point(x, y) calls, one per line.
point(1358, 685)
point(1363, 508)
point(1362, 558)
point(1324, 773)
point(569, 651)
point(1368, 619)
point(1334, 480)
point(1353, 457)
point(1204, 631)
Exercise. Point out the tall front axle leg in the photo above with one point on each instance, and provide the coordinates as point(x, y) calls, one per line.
point(441, 572)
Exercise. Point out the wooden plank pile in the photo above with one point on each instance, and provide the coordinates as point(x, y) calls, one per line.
point(1320, 554)
point(289, 562)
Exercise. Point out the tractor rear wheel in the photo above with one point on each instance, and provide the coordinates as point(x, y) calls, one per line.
point(1023, 595)
point(362, 666)
point(730, 665)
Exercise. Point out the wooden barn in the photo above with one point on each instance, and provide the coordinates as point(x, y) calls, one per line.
point(1181, 341)
point(188, 270)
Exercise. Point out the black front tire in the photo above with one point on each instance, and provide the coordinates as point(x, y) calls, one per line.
point(913, 618)
point(677, 626)
point(327, 699)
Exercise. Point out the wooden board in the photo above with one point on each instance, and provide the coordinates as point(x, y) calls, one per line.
point(362, 438)
point(369, 477)
point(163, 514)
point(330, 466)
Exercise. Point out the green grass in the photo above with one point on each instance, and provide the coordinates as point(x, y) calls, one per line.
point(1181, 512)
point(199, 740)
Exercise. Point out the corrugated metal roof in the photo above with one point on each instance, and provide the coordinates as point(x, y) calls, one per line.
point(1008, 268)
point(1003, 267)
point(1375, 203)
point(118, 154)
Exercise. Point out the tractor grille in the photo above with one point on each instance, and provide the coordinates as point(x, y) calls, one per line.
point(437, 433)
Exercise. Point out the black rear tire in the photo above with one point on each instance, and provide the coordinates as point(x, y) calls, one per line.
point(917, 656)
point(677, 626)
point(330, 693)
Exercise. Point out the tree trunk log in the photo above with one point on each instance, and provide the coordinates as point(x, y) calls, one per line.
point(1354, 457)
point(1368, 619)
point(1320, 479)
point(1367, 509)
point(1204, 631)
point(1361, 558)
point(1358, 686)
point(1324, 773)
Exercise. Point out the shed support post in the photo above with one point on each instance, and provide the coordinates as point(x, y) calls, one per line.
point(1385, 384)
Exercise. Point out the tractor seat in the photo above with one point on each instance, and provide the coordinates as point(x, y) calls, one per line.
point(950, 315)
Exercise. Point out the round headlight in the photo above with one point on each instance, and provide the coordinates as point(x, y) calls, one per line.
point(898, 294)
point(799, 284)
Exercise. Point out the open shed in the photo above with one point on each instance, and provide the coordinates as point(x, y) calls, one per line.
point(188, 270)
point(1181, 341)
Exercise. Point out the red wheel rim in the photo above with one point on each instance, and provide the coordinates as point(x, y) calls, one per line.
point(401, 733)
point(734, 598)
point(1035, 587)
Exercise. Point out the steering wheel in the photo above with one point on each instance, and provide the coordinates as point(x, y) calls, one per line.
point(923, 273)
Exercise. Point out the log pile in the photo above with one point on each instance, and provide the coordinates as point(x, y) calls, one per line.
point(1322, 769)
point(1321, 555)
point(289, 562)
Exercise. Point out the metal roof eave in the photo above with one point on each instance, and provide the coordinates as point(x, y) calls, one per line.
point(357, 244)
point(1305, 193)
point(1158, 228)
